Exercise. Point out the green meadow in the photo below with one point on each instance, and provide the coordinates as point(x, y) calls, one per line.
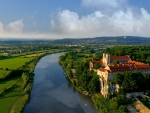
point(13, 95)
point(14, 63)
point(28, 53)
point(12, 89)
point(8, 98)
point(79, 57)
point(3, 73)
point(19, 105)
point(7, 83)
point(6, 103)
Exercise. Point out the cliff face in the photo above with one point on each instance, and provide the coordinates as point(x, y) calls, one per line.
point(106, 85)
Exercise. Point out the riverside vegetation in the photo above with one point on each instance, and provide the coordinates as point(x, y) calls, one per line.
point(87, 81)
point(16, 82)
point(16, 75)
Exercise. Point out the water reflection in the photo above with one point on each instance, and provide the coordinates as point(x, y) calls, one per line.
point(52, 91)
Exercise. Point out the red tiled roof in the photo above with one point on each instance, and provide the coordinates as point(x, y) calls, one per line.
point(122, 67)
point(119, 58)
point(96, 61)
point(143, 67)
point(131, 61)
point(102, 69)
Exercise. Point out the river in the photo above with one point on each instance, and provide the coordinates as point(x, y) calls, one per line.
point(52, 91)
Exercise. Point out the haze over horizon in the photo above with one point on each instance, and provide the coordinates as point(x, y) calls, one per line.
point(74, 18)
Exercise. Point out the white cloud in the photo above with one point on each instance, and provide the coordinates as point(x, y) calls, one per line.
point(122, 22)
point(15, 27)
point(1, 27)
point(109, 18)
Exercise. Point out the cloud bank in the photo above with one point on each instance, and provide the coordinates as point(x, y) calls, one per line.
point(123, 21)
point(108, 18)
point(13, 28)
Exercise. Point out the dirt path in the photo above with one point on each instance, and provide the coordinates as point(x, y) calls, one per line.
point(26, 87)
point(11, 109)
point(141, 107)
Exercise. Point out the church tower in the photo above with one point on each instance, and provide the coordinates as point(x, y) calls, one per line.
point(106, 59)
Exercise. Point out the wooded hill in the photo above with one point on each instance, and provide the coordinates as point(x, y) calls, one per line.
point(134, 40)
point(126, 40)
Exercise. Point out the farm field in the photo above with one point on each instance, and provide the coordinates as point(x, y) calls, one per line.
point(6, 103)
point(29, 53)
point(33, 55)
point(82, 57)
point(3, 73)
point(8, 83)
point(8, 98)
point(14, 63)
point(19, 104)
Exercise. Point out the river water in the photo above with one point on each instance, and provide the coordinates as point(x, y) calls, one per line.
point(52, 91)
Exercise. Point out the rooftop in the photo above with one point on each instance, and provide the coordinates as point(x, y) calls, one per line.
point(120, 58)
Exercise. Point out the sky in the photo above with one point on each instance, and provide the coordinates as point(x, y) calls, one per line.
point(55, 19)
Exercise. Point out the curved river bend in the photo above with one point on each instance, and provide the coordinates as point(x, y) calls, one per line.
point(53, 93)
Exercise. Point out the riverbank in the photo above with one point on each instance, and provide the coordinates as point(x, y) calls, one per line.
point(87, 82)
point(20, 103)
point(17, 84)
point(27, 90)
point(71, 68)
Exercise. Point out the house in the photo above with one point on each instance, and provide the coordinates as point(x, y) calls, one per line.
point(108, 69)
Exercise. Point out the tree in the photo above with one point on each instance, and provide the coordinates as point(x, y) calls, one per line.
point(123, 108)
point(118, 78)
point(74, 83)
point(94, 85)
point(114, 103)
point(97, 65)
point(148, 59)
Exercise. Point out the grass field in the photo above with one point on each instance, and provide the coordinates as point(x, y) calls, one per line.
point(1, 54)
point(8, 98)
point(6, 103)
point(20, 104)
point(3, 73)
point(29, 53)
point(82, 57)
point(33, 55)
point(15, 97)
point(14, 63)
point(8, 83)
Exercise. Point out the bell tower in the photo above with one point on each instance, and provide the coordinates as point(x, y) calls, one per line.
point(106, 59)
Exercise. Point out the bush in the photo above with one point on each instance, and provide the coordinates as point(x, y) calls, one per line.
point(123, 108)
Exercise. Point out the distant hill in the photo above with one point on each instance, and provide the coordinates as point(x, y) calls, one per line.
point(132, 40)
point(106, 40)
